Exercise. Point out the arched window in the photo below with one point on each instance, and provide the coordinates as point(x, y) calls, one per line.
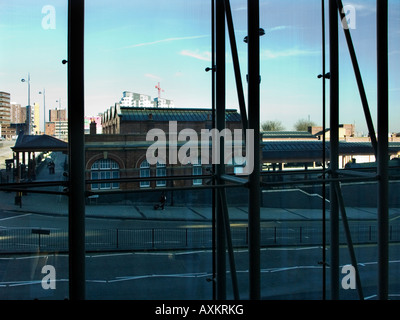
point(104, 169)
point(197, 171)
point(161, 172)
point(144, 173)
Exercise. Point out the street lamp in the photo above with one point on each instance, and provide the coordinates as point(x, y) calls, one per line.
point(44, 109)
point(28, 111)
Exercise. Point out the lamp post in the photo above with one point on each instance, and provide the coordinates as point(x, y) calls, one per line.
point(28, 111)
point(44, 109)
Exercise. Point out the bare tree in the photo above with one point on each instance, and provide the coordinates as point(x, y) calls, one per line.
point(272, 125)
point(304, 124)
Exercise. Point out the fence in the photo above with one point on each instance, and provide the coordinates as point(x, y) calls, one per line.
point(56, 240)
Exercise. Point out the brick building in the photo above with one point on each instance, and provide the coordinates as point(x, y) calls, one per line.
point(57, 126)
point(120, 152)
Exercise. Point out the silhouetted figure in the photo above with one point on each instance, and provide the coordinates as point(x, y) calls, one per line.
point(162, 200)
point(51, 166)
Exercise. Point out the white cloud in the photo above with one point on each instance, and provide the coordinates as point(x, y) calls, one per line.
point(164, 40)
point(152, 76)
point(363, 9)
point(278, 28)
point(269, 54)
point(206, 55)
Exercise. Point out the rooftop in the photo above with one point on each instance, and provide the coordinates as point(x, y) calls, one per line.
point(39, 143)
point(173, 114)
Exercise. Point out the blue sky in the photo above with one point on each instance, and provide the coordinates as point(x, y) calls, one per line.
point(132, 45)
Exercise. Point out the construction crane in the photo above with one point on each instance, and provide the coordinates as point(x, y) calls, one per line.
point(158, 87)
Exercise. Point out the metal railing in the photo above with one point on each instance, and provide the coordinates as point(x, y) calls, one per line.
point(19, 240)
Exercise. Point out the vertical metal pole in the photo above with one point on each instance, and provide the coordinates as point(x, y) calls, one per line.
point(220, 125)
point(28, 109)
point(254, 124)
point(334, 145)
point(323, 153)
point(76, 205)
point(383, 144)
point(44, 111)
point(214, 291)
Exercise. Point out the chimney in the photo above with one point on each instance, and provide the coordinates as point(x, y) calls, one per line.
point(92, 127)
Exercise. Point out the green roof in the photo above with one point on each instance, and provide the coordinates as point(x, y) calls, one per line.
point(173, 114)
point(287, 134)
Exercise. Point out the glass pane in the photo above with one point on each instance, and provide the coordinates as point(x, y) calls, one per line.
point(154, 74)
point(33, 158)
point(291, 214)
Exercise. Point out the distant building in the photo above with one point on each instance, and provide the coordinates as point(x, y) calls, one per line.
point(163, 103)
point(57, 115)
point(57, 126)
point(18, 113)
point(298, 149)
point(7, 132)
point(61, 130)
point(132, 99)
point(50, 129)
point(120, 152)
point(97, 120)
point(127, 120)
point(346, 131)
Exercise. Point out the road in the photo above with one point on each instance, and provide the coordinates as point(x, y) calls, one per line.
point(287, 272)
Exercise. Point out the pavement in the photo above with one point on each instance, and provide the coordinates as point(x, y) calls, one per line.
point(58, 205)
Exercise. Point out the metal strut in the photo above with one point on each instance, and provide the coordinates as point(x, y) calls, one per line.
point(235, 58)
point(357, 73)
point(225, 215)
point(348, 238)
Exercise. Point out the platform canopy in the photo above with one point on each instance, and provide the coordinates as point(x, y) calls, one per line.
point(38, 143)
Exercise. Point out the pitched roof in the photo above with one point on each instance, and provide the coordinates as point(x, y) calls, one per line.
point(312, 150)
point(287, 135)
point(173, 114)
point(39, 143)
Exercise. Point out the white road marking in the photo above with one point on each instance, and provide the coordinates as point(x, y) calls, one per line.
point(18, 216)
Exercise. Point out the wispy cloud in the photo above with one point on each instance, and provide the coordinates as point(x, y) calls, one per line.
point(363, 9)
point(164, 40)
point(178, 74)
point(278, 28)
point(152, 76)
point(270, 54)
point(206, 55)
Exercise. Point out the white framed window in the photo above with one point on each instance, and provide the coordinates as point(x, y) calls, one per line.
point(197, 171)
point(144, 173)
point(161, 171)
point(104, 169)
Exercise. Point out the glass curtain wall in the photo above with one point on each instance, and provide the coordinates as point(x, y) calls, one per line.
point(150, 207)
